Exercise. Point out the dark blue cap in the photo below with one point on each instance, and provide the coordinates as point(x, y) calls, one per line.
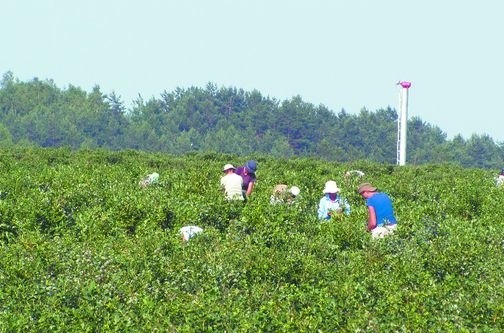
point(251, 166)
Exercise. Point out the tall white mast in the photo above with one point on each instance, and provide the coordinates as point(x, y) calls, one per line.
point(402, 123)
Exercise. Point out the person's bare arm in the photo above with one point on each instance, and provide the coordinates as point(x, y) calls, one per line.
point(371, 218)
point(250, 188)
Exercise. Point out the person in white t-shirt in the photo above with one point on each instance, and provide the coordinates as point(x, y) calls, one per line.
point(150, 179)
point(231, 183)
point(189, 231)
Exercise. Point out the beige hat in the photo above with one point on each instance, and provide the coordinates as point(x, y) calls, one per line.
point(331, 187)
point(228, 166)
point(280, 188)
point(366, 187)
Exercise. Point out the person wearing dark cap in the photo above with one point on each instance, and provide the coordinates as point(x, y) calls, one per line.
point(248, 174)
point(381, 218)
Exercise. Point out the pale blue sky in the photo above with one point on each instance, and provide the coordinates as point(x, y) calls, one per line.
point(340, 53)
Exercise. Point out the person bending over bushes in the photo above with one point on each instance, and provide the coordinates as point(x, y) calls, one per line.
point(381, 218)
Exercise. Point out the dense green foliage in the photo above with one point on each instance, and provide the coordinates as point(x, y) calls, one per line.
point(223, 120)
point(84, 249)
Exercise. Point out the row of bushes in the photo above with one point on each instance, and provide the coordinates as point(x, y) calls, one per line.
point(84, 248)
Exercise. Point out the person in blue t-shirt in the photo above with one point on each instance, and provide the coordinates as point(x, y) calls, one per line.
point(381, 217)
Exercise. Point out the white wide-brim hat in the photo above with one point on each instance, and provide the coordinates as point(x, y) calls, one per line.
point(331, 187)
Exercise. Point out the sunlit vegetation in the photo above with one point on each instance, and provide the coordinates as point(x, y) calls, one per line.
point(83, 248)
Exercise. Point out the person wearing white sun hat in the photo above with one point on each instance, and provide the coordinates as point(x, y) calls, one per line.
point(283, 194)
point(231, 183)
point(332, 204)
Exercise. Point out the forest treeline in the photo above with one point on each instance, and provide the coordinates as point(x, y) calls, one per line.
point(224, 120)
